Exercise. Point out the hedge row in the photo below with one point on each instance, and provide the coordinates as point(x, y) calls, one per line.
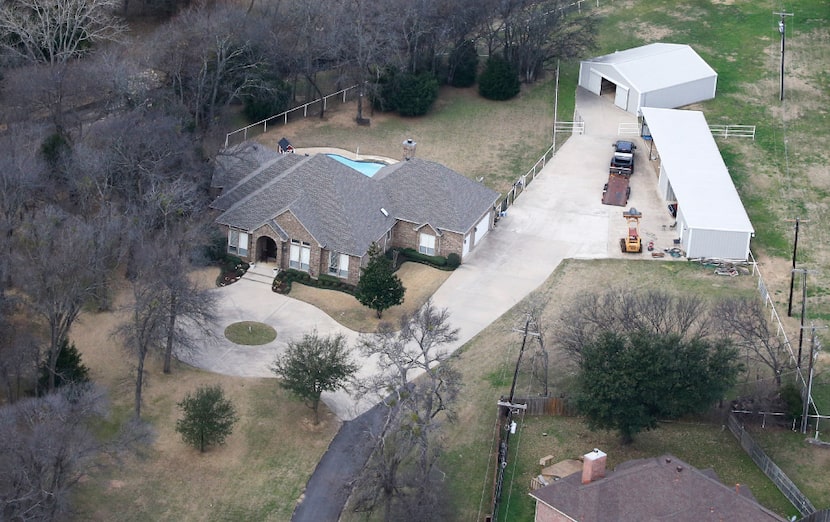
point(282, 282)
point(451, 262)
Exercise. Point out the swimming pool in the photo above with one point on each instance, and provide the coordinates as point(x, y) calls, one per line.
point(367, 168)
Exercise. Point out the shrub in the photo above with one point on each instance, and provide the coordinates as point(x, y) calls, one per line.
point(69, 369)
point(792, 398)
point(416, 93)
point(499, 80)
point(463, 65)
point(409, 94)
point(269, 97)
point(208, 417)
point(453, 260)
point(413, 255)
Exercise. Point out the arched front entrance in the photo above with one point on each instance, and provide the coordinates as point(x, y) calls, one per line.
point(266, 249)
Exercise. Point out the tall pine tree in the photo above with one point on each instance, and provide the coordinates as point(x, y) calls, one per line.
point(379, 288)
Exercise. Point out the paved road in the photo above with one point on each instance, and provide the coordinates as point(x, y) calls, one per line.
point(329, 487)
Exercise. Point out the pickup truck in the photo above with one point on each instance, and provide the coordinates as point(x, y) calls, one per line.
point(622, 163)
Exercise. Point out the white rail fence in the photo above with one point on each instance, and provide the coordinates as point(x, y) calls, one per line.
point(628, 129)
point(282, 118)
point(732, 131)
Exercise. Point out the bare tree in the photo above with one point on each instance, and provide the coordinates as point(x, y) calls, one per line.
point(21, 177)
point(61, 258)
point(18, 348)
point(745, 322)
point(143, 332)
point(314, 45)
point(623, 311)
point(53, 33)
point(209, 58)
point(402, 466)
point(47, 445)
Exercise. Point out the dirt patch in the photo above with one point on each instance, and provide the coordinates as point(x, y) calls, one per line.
point(420, 281)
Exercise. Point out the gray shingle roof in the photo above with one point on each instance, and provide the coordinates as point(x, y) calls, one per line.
point(237, 162)
point(656, 489)
point(423, 191)
point(339, 206)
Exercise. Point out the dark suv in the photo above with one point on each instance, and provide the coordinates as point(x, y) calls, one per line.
point(623, 160)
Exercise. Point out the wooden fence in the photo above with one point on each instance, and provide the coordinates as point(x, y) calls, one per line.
point(770, 469)
point(546, 406)
point(818, 516)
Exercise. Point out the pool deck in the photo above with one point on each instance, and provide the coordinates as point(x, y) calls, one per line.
point(345, 153)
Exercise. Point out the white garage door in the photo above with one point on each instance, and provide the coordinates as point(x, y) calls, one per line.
point(482, 227)
point(594, 82)
point(621, 99)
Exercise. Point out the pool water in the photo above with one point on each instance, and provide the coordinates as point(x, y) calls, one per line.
point(367, 168)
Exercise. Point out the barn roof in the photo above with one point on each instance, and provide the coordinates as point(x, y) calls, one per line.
point(696, 171)
point(657, 66)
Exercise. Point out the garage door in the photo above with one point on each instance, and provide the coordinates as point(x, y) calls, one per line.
point(621, 98)
point(482, 227)
point(594, 82)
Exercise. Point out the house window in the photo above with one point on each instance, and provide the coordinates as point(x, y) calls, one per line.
point(389, 235)
point(237, 242)
point(427, 244)
point(300, 255)
point(339, 264)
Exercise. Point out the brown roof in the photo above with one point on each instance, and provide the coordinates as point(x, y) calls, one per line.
point(656, 489)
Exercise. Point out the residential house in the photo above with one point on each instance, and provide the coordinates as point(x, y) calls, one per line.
point(314, 214)
point(655, 489)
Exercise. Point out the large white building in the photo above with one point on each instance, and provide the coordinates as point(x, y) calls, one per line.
point(656, 75)
point(711, 219)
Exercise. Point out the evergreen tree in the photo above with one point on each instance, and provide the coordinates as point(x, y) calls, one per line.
point(630, 382)
point(69, 369)
point(208, 417)
point(463, 65)
point(379, 288)
point(499, 80)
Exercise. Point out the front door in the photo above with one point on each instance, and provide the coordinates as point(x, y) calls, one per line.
point(266, 250)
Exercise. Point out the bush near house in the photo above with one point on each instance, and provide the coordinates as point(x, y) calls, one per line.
point(282, 282)
point(451, 262)
point(231, 269)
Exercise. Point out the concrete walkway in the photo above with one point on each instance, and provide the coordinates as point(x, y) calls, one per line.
point(558, 216)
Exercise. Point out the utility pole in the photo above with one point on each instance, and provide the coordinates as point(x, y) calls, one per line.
point(782, 28)
point(815, 347)
point(792, 273)
point(803, 311)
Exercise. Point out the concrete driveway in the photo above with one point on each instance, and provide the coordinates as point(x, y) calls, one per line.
point(559, 215)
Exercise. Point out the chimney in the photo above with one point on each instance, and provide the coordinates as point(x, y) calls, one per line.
point(593, 466)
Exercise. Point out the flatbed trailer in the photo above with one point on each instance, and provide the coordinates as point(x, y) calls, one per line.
point(617, 190)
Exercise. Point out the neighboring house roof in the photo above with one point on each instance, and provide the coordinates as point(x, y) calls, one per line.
point(425, 192)
point(658, 65)
point(695, 168)
point(339, 206)
point(656, 489)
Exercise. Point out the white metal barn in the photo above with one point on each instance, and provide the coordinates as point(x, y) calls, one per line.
point(711, 219)
point(655, 75)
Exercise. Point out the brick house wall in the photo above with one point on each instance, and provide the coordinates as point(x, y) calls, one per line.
point(296, 231)
point(404, 235)
point(265, 231)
